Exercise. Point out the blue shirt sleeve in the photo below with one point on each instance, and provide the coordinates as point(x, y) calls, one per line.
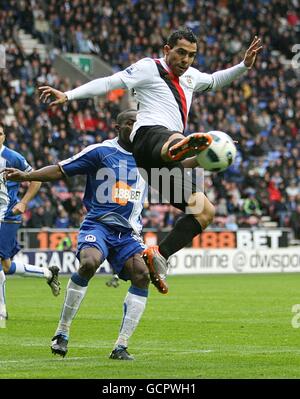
point(85, 162)
point(20, 162)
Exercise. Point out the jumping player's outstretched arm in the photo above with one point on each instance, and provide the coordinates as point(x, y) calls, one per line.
point(101, 86)
point(219, 79)
point(96, 87)
point(251, 52)
point(85, 162)
point(48, 173)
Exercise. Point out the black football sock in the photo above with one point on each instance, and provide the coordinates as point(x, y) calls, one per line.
point(185, 229)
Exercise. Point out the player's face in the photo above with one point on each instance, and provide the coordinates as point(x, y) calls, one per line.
point(125, 128)
point(180, 57)
point(2, 136)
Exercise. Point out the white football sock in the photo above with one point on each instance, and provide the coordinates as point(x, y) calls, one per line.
point(134, 306)
point(2, 293)
point(25, 270)
point(73, 298)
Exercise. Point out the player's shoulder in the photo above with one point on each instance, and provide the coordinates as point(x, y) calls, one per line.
point(15, 159)
point(113, 146)
point(109, 143)
point(138, 73)
point(95, 150)
point(195, 72)
point(10, 154)
point(146, 60)
point(88, 152)
point(198, 77)
point(106, 147)
point(91, 152)
point(143, 63)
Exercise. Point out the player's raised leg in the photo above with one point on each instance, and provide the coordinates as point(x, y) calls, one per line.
point(190, 225)
point(178, 147)
point(185, 229)
point(26, 270)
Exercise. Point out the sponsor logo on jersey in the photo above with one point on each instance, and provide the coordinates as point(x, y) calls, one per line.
point(130, 70)
point(122, 193)
point(90, 238)
point(189, 80)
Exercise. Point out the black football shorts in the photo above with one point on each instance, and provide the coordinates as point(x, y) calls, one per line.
point(171, 180)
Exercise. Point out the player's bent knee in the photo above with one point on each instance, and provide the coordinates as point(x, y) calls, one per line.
point(88, 266)
point(141, 279)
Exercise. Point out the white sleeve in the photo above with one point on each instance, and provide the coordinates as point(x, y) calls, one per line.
point(96, 87)
point(219, 79)
point(138, 74)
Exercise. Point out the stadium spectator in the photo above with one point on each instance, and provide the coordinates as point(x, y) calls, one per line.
point(38, 219)
point(65, 244)
point(251, 205)
point(62, 220)
point(295, 221)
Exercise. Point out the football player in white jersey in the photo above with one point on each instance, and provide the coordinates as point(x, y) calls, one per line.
point(164, 89)
point(11, 209)
point(114, 198)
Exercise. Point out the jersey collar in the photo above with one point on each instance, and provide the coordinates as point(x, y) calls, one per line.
point(165, 65)
point(121, 148)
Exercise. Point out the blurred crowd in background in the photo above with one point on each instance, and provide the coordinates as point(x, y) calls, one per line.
point(261, 110)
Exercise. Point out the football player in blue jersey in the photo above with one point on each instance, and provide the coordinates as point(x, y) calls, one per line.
point(11, 209)
point(114, 198)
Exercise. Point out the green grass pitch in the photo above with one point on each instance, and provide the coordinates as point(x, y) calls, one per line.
point(213, 326)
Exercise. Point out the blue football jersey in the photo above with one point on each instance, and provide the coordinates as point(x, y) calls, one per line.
point(9, 189)
point(115, 191)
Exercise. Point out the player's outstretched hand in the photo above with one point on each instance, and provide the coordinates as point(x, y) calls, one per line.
point(47, 91)
point(252, 51)
point(14, 174)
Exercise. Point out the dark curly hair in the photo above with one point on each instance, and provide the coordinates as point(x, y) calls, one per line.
point(182, 33)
